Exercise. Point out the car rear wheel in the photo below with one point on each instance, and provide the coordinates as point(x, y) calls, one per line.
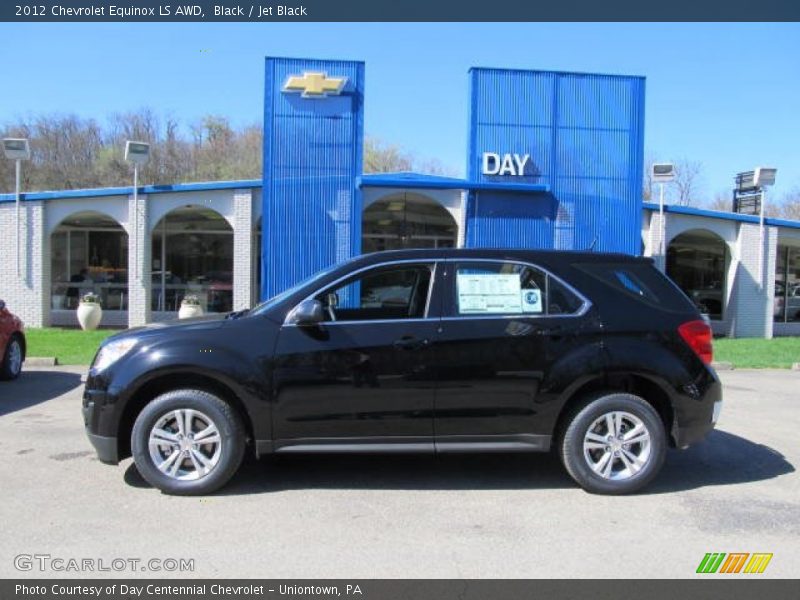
point(614, 444)
point(188, 442)
point(12, 361)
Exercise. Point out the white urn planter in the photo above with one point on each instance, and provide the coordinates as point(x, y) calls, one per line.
point(89, 315)
point(188, 311)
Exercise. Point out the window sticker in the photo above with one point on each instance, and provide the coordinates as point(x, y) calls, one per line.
point(488, 293)
point(531, 301)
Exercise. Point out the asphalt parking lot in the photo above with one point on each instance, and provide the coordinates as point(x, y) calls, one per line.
point(410, 516)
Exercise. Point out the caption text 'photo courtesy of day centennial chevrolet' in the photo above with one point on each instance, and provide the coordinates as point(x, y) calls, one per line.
point(599, 357)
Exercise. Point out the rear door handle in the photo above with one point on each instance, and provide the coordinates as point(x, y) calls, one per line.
point(409, 342)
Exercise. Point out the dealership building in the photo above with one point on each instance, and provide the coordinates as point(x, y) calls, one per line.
point(554, 161)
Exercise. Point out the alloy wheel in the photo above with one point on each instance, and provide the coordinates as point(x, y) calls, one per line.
point(185, 444)
point(617, 445)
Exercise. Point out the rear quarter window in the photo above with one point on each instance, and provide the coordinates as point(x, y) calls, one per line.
point(640, 281)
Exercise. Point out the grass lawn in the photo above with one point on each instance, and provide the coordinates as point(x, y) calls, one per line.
point(757, 353)
point(69, 346)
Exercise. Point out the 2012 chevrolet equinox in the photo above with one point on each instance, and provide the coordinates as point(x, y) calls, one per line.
point(599, 356)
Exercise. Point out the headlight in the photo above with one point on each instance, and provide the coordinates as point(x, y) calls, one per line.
point(111, 353)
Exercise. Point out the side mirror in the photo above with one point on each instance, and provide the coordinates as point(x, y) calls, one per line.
point(308, 312)
point(2, 305)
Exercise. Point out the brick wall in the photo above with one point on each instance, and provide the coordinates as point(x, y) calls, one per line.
point(24, 292)
point(139, 251)
point(751, 303)
point(242, 248)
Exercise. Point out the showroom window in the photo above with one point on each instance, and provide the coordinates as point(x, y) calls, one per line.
point(89, 253)
point(697, 262)
point(192, 255)
point(407, 221)
point(511, 288)
point(787, 284)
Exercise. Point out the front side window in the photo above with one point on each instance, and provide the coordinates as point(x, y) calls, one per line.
point(384, 293)
point(511, 288)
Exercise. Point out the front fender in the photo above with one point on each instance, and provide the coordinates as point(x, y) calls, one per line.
point(157, 362)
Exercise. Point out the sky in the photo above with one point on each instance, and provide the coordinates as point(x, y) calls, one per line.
point(726, 95)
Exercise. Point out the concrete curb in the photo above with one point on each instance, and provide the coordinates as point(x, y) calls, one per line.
point(722, 366)
point(41, 361)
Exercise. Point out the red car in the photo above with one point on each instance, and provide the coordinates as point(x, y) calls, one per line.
point(12, 344)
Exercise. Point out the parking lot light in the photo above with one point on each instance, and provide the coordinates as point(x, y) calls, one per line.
point(763, 177)
point(661, 174)
point(137, 153)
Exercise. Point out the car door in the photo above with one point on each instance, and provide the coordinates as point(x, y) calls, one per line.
point(504, 324)
point(362, 376)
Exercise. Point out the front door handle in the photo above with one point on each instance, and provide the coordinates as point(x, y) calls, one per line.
point(409, 342)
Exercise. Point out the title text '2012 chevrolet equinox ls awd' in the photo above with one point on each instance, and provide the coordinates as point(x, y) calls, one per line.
point(596, 355)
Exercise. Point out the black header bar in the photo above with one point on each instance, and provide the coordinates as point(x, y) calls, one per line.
point(265, 11)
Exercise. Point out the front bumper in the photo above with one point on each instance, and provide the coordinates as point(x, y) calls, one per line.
point(95, 403)
point(106, 447)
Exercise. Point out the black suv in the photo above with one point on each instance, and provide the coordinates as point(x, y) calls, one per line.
point(599, 356)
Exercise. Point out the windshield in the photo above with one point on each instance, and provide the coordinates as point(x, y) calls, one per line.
point(270, 302)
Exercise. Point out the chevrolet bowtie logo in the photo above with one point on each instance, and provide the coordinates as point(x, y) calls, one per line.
point(315, 85)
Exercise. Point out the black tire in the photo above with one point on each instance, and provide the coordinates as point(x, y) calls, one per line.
point(578, 425)
point(223, 416)
point(7, 370)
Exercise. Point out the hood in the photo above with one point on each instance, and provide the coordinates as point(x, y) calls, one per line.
point(205, 322)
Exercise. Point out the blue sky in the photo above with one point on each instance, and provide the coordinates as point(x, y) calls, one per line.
point(727, 95)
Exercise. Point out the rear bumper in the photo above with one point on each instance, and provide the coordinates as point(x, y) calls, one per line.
point(687, 436)
point(699, 412)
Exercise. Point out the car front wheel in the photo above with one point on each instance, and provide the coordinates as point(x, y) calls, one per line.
point(614, 444)
point(11, 366)
point(188, 442)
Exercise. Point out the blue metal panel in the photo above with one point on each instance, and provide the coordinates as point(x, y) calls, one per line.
point(584, 134)
point(312, 157)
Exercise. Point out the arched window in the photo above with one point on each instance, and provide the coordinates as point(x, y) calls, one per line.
point(192, 255)
point(89, 253)
point(697, 261)
point(407, 220)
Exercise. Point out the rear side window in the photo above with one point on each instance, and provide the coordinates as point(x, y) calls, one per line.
point(641, 281)
point(511, 288)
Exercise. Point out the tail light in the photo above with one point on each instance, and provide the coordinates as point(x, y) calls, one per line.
point(698, 335)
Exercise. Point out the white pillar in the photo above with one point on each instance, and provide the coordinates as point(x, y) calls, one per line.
point(655, 242)
point(752, 298)
point(242, 248)
point(139, 249)
point(25, 293)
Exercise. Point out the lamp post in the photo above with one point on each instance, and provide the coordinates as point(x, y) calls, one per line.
point(136, 153)
point(763, 177)
point(17, 149)
point(662, 173)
